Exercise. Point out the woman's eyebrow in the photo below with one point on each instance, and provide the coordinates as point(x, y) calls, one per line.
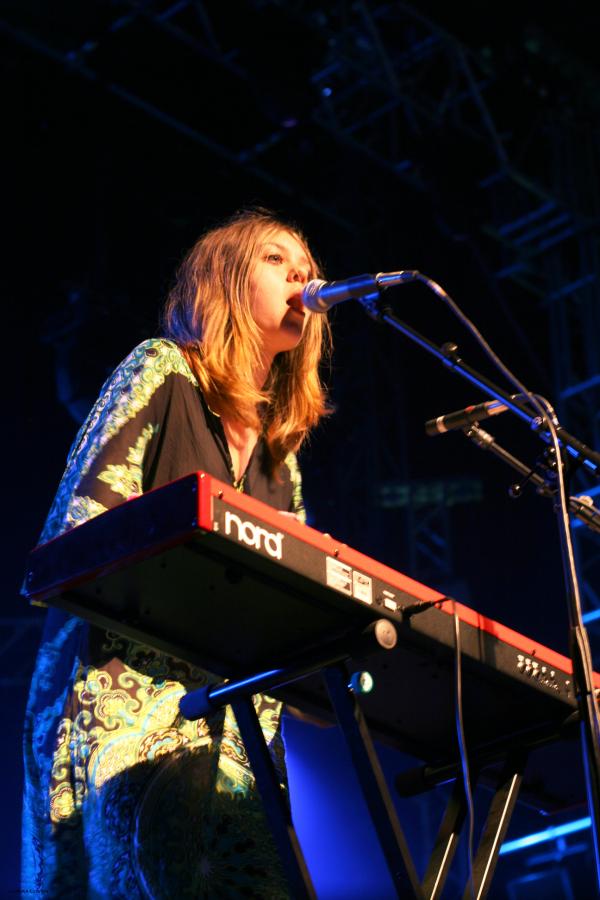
point(303, 258)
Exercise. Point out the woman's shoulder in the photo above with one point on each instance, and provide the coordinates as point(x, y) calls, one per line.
point(154, 369)
point(159, 355)
point(148, 368)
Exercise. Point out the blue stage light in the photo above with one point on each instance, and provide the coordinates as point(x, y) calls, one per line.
point(549, 834)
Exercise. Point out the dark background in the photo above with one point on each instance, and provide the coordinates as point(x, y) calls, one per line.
point(461, 140)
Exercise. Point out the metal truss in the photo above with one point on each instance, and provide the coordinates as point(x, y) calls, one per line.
point(549, 248)
point(389, 72)
point(381, 79)
point(428, 505)
point(79, 60)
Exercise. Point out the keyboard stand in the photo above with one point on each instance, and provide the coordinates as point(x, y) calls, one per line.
point(329, 662)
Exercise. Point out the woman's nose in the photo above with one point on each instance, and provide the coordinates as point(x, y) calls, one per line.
point(297, 275)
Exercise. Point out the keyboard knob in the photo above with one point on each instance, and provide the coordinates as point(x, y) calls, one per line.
point(361, 683)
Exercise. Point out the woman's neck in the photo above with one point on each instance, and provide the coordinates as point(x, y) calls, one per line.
point(241, 441)
point(241, 438)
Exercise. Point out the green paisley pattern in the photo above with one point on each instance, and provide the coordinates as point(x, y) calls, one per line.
point(80, 509)
point(127, 480)
point(163, 807)
point(297, 501)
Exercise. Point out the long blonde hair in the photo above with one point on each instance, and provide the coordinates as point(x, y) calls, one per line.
point(208, 313)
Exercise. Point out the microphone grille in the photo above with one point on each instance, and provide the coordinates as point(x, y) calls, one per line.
point(310, 294)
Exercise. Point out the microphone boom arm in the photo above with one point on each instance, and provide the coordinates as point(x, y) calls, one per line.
point(448, 355)
point(590, 459)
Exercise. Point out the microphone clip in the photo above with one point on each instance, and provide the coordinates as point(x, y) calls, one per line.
point(372, 305)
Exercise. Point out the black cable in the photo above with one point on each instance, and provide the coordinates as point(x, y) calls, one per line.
point(462, 745)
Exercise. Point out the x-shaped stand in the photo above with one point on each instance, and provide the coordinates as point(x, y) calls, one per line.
point(370, 776)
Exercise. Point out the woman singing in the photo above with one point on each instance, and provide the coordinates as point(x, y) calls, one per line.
point(123, 797)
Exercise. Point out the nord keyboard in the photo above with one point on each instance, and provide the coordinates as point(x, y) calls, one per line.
point(213, 576)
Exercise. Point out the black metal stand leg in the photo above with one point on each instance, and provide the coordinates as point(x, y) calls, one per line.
point(446, 843)
point(372, 783)
point(276, 808)
point(496, 826)
point(590, 740)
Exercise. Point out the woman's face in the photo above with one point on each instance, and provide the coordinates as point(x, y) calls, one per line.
point(280, 271)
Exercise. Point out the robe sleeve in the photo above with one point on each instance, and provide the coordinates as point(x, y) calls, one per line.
point(117, 443)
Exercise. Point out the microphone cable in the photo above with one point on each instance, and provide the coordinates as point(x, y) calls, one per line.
point(462, 746)
point(407, 612)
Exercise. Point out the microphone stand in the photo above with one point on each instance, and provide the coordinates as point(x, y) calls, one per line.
point(590, 460)
point(448, 354)
point(582, 508)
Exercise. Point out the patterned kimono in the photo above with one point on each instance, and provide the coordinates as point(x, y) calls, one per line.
point(123, 797)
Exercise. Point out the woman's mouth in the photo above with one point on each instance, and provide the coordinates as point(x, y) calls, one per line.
point(296, 305)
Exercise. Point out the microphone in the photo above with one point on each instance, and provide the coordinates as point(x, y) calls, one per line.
point(462, 417)
point(319, 295)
